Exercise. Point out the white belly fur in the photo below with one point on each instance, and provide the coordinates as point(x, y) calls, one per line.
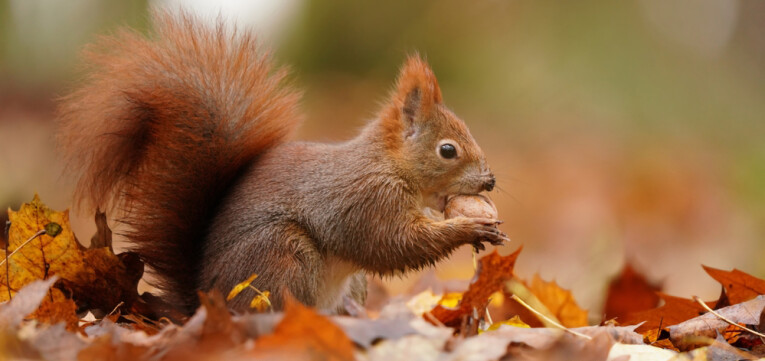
point(337, 279)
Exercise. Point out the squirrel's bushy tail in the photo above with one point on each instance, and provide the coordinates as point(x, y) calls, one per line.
point(161, 128)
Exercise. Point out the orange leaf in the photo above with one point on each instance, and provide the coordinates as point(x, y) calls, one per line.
point(674, 311)
point(559, 301)
point(493, 271)
point(630, 293)
point(96, 277)
point(739, 286)
point(303, 334)
point(56, 308)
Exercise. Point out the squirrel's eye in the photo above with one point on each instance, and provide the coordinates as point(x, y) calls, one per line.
point(447, 151)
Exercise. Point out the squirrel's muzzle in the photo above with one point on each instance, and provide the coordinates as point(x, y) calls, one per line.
point(489, 184)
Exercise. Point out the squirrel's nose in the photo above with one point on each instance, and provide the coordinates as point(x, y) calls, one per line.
point(489, 184)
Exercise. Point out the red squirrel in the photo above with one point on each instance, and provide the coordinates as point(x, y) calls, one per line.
point(186, 133)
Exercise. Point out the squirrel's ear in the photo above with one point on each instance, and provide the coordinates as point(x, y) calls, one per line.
point(416, 91)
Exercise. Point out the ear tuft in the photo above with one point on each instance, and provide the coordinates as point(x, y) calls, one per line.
point(417, 89)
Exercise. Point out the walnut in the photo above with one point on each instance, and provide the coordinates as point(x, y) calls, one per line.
point(471, 206)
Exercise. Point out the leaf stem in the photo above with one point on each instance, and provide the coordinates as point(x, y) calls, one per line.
point(38, 234)
point(552, 322)
point(704, 305)
point(268, 302)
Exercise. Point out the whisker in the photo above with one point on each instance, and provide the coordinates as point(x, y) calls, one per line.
point(517, 201)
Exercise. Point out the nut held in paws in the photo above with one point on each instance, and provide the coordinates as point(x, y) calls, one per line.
point(471, 206)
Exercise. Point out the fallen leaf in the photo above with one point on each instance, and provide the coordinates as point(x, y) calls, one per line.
point(673, 311)
point(44, 256)
point(640, 352)
point(709, 325)
point(546, 298)
point(24, 302)
point(106, 280)
point(57, 308)
point(514, 321)
point(559, 302)
point(630, 292)
point(493, 271)
point(107, 348)
point(303, 334)
point(97, 279)
point(739, 286)
point(364, 332)
point(451, 300)
point(659, 338)
point(422, 302)
point(715, 349)
point(237, 289)
point(566, 347)
point(103, 236)
point(260, 302)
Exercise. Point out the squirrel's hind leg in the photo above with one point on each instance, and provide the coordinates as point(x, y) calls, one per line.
point(283, 257)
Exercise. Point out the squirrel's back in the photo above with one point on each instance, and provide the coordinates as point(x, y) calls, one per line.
point(161, 128)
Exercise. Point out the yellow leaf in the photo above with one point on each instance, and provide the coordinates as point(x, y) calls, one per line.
point(94, 277)
point(515, 321)
point(45, 255)
point(240, 287)
point(261, 302)
point(451, 300)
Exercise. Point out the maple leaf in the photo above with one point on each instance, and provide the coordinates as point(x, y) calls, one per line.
point(630, 292)
point(303, 334)
point(559, 302)
point(673, 311)
point(493, 271)
point(44, 255)
point(548, 298)
point(96, 277)
point(739, 286)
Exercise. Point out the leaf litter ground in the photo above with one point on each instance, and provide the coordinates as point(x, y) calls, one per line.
point(50, 284)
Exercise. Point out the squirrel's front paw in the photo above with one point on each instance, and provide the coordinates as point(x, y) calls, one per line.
point(483, 230)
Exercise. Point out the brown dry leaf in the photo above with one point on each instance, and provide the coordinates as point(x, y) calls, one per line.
point(739, 286)
point(674, 311)
point(106, 280)
point(659, 338)
point(564, 348)
point(97, 278)
point(103, 236)
point(106, 348)
point(56, 308)
point(630, 293)
point(303, 334)
point(559, 302)
point(493, 271)
point(217, 335)
point(709, 325)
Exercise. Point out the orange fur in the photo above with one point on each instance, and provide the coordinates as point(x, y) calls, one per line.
point(415, 76)
point(134, 128)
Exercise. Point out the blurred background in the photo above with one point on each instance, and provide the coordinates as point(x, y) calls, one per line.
point(630, 130)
